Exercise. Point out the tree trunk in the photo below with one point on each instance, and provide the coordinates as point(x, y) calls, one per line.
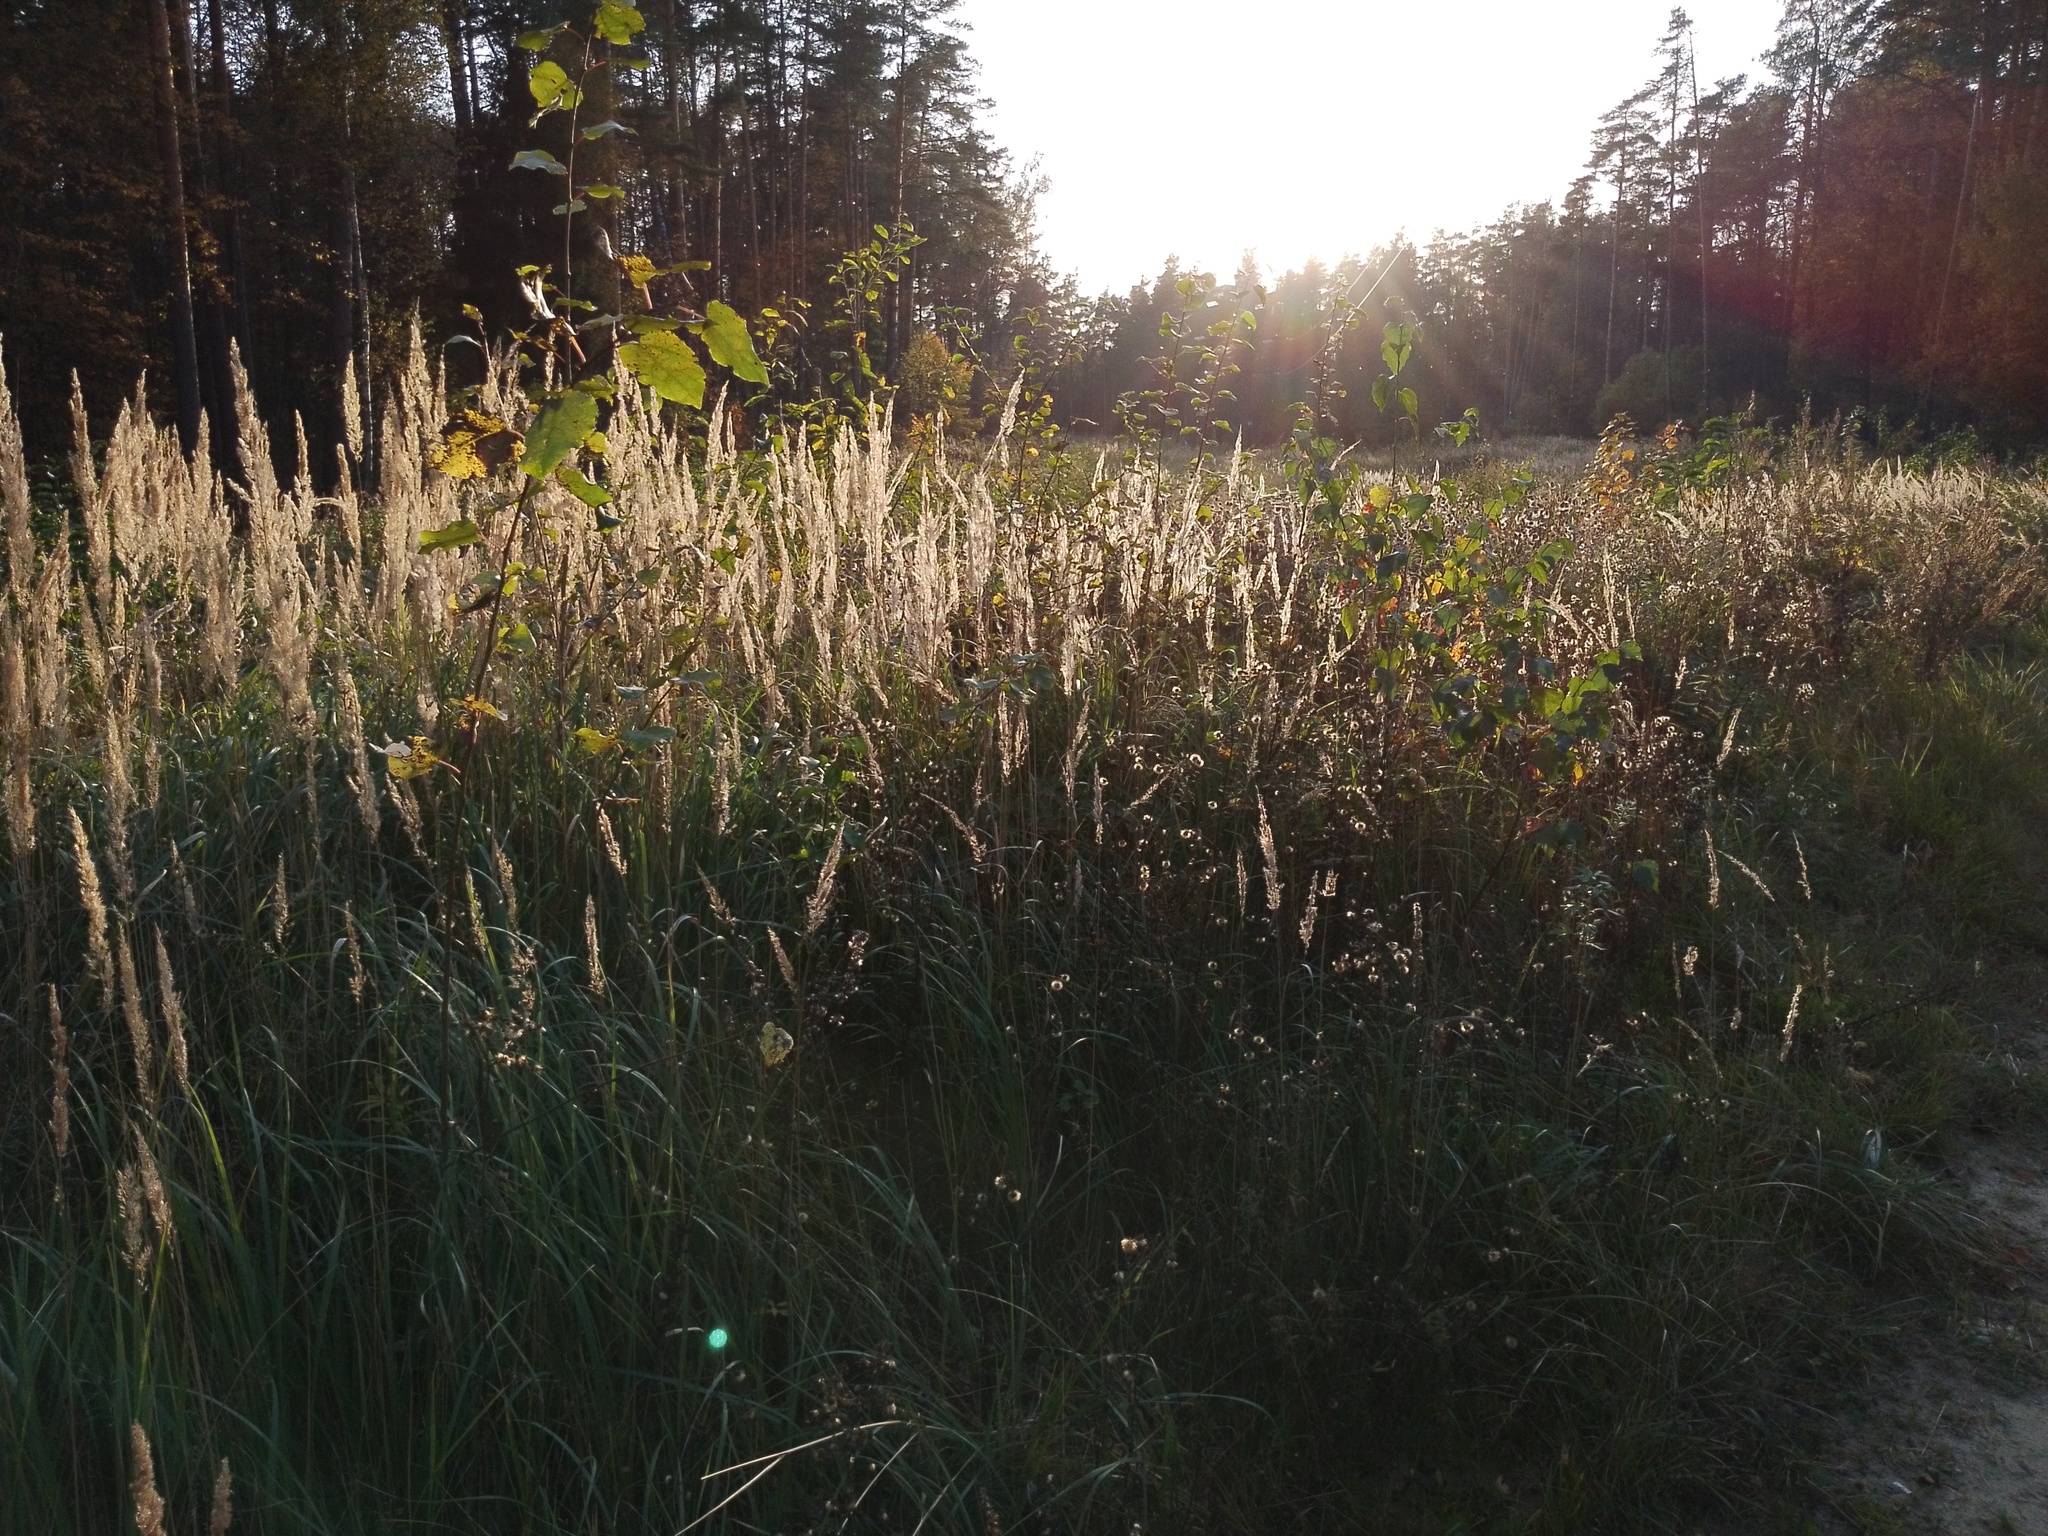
point(184, 343)
point(458, 67)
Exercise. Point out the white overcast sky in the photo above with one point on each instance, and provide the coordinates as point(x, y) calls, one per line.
point(1307, 128)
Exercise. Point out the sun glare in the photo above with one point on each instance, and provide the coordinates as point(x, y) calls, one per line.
point(1311, 127)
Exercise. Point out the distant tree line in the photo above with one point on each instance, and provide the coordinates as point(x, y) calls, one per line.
point(1866, 229)
point(292, 178)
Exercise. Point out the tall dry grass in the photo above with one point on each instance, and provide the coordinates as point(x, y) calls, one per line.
point(920, 995)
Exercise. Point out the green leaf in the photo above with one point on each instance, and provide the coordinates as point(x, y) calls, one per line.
point(591, 495)
point(666, 365)
point(1407, 399)
point(456, 535)
point(617, 23)
point(551, 87)
point(573, 207)
point(601, 190)
point(599, 130)
point(1644, 873)
point(1379, 393)
point(516, 640)
point(632, 61)
point(562, 424)
point(1396, 346)
point(539, 41)
point(648, 325)
point(725, 333)
point(647, 740)
point(538, 160)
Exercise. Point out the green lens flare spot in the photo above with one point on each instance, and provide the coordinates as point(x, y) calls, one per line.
point(717, 1338)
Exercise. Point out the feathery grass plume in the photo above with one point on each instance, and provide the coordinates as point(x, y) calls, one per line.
point(1713, 874)
point(128, 1204)
point(60, 1078)
point(149, 1504)
point(1070, 765)
point(174, 1018)
point(1100, 786)
point(1805, 885)
point(782, 962)
point(408, 807)
point(120, 800)
point(1243, 885)
point(478, 935)
point(593, 956)
point(48, 654)
point(820, 905)
point(144, 1053)
point(609, 841)
point(280, 907)
point(349, 707)
point(222, 1515)
point(1308, 916)
point(14, 722)
point(1728, 740)
point(1755, 879)
point(718, 906)
point(358, 982)
point(1271, 854)
point(15, 502)
point(508, 888)
point(153, 1191)
point(95, 909)
point(187, 902)
point(721, 783)
point(1791, 1022)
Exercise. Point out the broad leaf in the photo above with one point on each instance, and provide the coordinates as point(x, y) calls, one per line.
point(591, 495)
point(725, 333)
point(617, 23)
point(594, 741)
point(560, 427)
point(639, 271)
point(538, 42)
point(457, 535)
point(776, 1044)
point(411, 759)
point(538, 160)
point(474, 444)
point(599, 130)
point(551, 87)
point(666, 365)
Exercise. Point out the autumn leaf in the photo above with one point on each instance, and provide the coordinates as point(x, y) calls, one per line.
point(413, 759)
point(776, 1044)
point(472, 445)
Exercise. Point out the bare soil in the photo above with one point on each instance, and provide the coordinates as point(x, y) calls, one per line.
point(1948, 1435)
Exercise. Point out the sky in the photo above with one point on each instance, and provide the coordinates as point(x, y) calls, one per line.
point(1300, 128)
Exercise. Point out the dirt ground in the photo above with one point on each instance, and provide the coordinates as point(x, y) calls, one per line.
point(1949, 1436)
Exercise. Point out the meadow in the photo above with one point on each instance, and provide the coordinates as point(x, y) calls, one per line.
point(878, 984)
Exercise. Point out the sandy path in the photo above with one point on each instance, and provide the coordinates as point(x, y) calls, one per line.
point(1951, 1435)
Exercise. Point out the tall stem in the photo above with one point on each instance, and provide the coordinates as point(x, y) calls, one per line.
point(184, 343)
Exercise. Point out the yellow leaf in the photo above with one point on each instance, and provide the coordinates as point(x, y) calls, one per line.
point(411, 759)
point(595, 741)
point(776, 1044)
point(638, 271)
point(472, 445)
point(475, 706)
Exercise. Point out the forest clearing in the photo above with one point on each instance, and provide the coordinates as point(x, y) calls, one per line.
point(815, 888)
